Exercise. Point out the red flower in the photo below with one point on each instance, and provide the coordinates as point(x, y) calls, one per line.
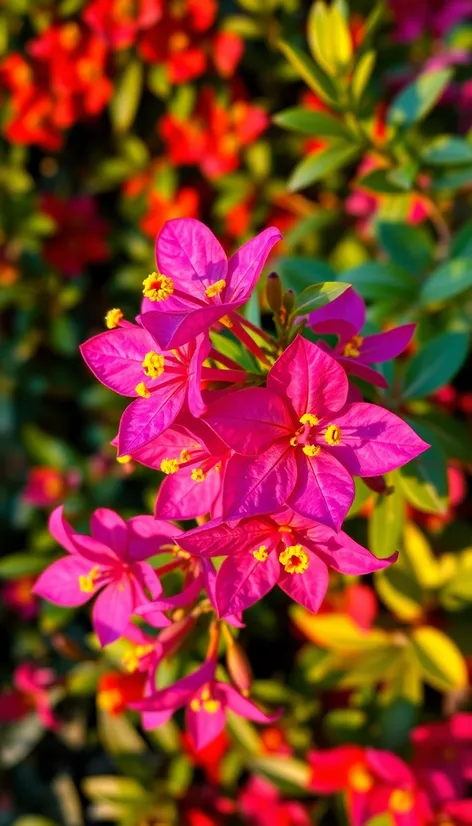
point(17, 595)
point(80, 236)
point(45, 487)
point(209, 757)
point(118, 22)
point(30, 692)
point(184, 204)
point(117, 690)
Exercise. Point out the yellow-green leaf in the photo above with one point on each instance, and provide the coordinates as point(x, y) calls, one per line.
point(441, 662)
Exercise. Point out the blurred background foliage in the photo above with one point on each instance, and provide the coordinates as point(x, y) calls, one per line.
point(350, 130)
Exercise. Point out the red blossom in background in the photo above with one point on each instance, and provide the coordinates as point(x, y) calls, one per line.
point(80, 237)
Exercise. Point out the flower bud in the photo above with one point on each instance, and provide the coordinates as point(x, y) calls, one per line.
point(378, 484)
point(289, 301)
point(274, 292)
point(238, 665)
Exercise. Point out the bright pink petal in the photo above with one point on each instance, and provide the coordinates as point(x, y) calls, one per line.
point(94, 551)
point(219, 539)
point(262, 484)
point(145, 419)
point(110, 529)
point(374, 441)
point(154, 719)
point(245, 266)
point(388, 767)
point(112, 611)
point(386, 346)
point(324, 490)
point(190, 593)
point(188, 252)
point(250, 420)
point(59, 583)
point(147, 578)
point(343, 554)
point(116, 357)
point(201, 349)
point(348, 307)
point(244, 707)
point(355, 367)
point(307, 588)
point(242, 580)
point(181, 497)
point(178, 694)
point(173, 328)
point(311, 378)
point(203, 726)
point(60, 529)
point(147, 535)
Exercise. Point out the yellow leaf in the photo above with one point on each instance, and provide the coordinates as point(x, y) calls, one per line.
point(420, 557)
point(336, 632)
point(441, 662)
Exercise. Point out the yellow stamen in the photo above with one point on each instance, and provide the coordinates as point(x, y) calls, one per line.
point(180, 553)
point(285, 529)
point(260, 553)
point(294, 559)
point(352, 348)
point(87, 581)
point(211, 706)
point(401, 801)
point(184, 456)
point(195, 704)
point(359, 778)
point(169, 466)
point(110, 699)
point(309, 418)
point(216, 288)
point(226, 321)
point(123, 460)
point(198, 475)
point(333, 434)
point(153, 364)
point(113, 318)
point(158, 287)
point(294, 441)
point(311, 450)
point(142, 390)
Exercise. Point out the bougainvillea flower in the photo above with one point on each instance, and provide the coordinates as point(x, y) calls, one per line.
point(345, 317)
point(206, 701)
point(31, 691)
point(111, 560)
point(115, 691)
point(45, 486)
point(442, 758)
point(194, 460)
point(118, 22)
point(415, 18)
point(375, 782)
point(286, 550)
point(300, 444)
point(17, 597)
point(263, 805)
point(201, 285)
point(129, 361)
point(80, 237)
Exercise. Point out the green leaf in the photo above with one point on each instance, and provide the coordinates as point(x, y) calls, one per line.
point(447, 281)
point(424, 480)
point(435, 365)
point(386, 522)
point(309, 122)
point(22, 564)
point(454, 179)
point(45, 449)
point(329, 38)
point(380, 182)
point(297, 272)
point(314, 167)
point(375, 280)
point(317, 296)
point(453, 437)
point(462, 242)
point(317, 81)
point(409, 247)
point(440, 660)
point(447, 150)
point(127, 96)
point(362, 74)
point(284, 768)
point(415, 101)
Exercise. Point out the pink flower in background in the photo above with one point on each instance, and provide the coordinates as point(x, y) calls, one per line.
point(32, 685)
point(202, 286)
point(284, 549)
point(129, 361)
point(442, 757)
point(262, 803)
point(80, 237)
point(299, 443)
point(345, 317)
point(111, 560)
point(206, 701)
point(18, 596)
point(45, 487)
point(415, 17)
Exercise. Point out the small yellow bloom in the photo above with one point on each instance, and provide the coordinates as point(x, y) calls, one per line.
point(158, 287)
point(169, 466)
point(311, 450)
point(198, 475)
point(113, 318)
point(153, 364)
point(216, 288)
point(142, 390)
point(294, 559)
point(352, 348)
point(333, 435)
point(260, 553)
point(309, 418)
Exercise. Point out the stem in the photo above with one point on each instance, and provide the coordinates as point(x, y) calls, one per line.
point(214, 374)
point(225, 360)
point(238, 330)
point(255, 329)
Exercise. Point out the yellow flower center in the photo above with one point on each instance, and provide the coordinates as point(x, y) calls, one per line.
point(294, 559)
point(216, 288)
point(311, 450)
point(333, 434)
point(401, 801)
point(87, 581)
point(153, 364)
point(113, 318)
point(169, 466)
point(226, 322)
point(360, 779)
point(142, 390)
point(123, 460)
point(261, 553)
point(158, 287)
point(285, 529)
point(309, 418)
point(352, 349)
point(184, 456)
point(206, 702)
point(110, 699)
point(198, 475)
point(131, 659)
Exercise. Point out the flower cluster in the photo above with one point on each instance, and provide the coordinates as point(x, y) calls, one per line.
point(264, 459)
